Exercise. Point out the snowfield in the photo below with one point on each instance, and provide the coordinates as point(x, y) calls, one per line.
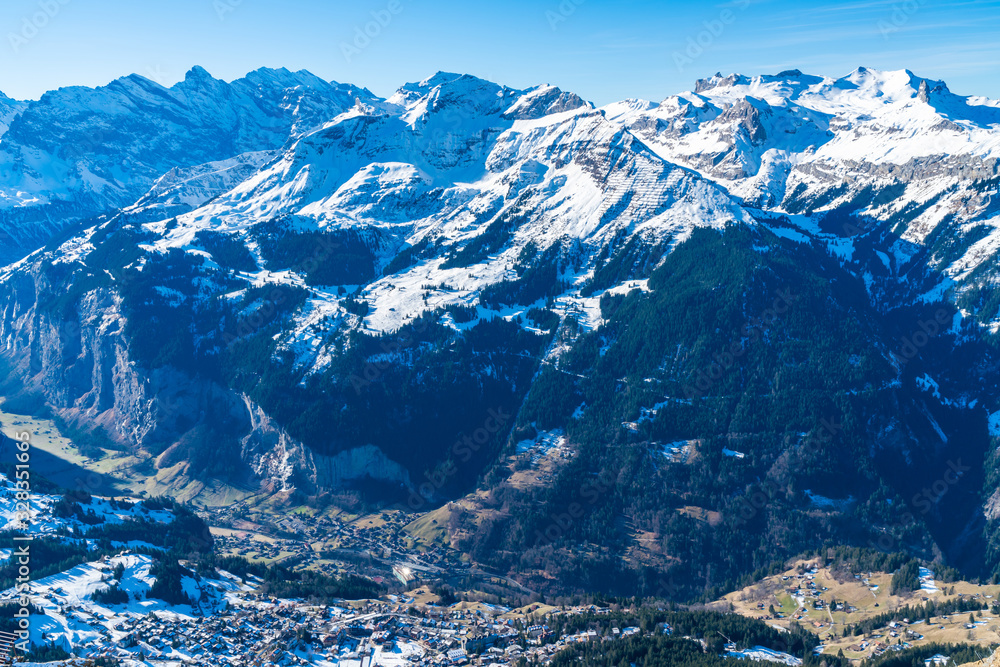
point(42, 522)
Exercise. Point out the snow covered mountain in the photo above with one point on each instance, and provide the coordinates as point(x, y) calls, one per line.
point(492, 179)
point(306, 288)
point(887, 157)
point(460, 157)
point(78, 152)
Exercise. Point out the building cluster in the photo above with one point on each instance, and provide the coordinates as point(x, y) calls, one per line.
point(254, 632)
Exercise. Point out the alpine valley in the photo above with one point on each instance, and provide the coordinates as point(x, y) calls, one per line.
point(648, 349)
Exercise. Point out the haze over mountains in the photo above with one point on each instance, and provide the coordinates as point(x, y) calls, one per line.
point(294, 285)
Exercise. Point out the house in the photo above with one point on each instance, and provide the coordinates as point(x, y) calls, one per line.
point(458, 656)
point(478, 643)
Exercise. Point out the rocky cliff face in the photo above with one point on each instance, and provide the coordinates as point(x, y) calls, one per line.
point(80, 362)
point(277, 457)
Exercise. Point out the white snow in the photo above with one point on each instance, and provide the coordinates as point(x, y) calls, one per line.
point(545, 442)
point(818, 500)
point(927, 580)
point(762, 653)
point(994, 424)
point(42, 522)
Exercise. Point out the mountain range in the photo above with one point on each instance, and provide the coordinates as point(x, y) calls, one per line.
point(646, 346)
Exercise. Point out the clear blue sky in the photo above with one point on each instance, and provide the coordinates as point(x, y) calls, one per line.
point(604, 50)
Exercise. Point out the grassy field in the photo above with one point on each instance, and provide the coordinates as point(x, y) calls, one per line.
point(55, 457)
point(429, 528)
point(865, 595)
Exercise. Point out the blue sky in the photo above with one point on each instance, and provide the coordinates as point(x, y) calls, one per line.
point(603, 50)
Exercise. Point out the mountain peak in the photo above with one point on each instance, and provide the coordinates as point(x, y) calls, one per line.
point(197, 73)
point(890, 79)
point(544, 100)
point(437, 79)
point(718, 81)
point(282, 77)
point(416, 89)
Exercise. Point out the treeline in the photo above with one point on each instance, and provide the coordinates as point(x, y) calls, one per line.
point(767, 353)
point(959, 654)
point(46, 653)
point(71, 506)
point(415, 394)
point(8, 622)
point(925, 611)
point(314, 586)
point(489, 241)
point(169, 583)
point(539, 280)
point(906, 578)
point(286, 582)
point(228, 250)
point(658, 651)
point(863, 559)
point(113, 594)
point(186, 535)
point(48, 557)
point(342, 257)
point(710, 626)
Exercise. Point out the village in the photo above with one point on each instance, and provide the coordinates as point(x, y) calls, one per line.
point(374, 546)
point(254, 631)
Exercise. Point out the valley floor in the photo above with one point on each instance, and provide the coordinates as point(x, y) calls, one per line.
point(232, 621)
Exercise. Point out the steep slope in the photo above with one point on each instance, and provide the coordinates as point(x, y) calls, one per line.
point(896, 163)
point(746, 392)
point(897, 178)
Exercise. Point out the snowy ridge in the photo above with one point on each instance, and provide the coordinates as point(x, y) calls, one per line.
point(80, 151)
point(583, 178)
